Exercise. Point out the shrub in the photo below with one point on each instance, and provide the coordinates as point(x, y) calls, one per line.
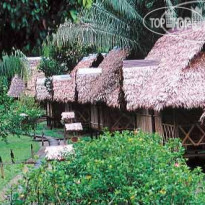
point(17, 116)
point(126, 168)
point(61, 60)
point(24, 114)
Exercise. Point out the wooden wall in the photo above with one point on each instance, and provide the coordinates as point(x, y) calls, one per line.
point(98, 117)
point(144, 121)
point(103, 116)
point(94, 117)
point(149, 121)
point(53, 112)
point(158, 122)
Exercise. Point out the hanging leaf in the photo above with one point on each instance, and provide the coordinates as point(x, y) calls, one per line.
point(73, 14)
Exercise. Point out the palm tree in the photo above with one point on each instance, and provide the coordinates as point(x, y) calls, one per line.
point(112, 23)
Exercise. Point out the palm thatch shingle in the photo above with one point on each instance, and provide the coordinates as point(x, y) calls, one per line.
point(108, 86)
point(85, 74)
point(63, 88)
point(17, 87)
point(86, 80)
point(103, 87)
point(42, 93)
point(177, 81)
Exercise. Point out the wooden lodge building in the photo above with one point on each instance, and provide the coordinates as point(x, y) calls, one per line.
point(167, 89)
point(102, 88)
point(64, 95)
point(97, 105)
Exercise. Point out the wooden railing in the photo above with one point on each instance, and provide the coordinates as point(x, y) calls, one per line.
point(191, 135)
point(169, 131)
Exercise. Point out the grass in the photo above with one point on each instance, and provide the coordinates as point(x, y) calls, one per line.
point(55, 132)
point(21, 147)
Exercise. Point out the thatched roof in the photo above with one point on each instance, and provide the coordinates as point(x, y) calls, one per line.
point(63, 88)
point(86, 80)
point(177, 81)
point(41, 91)
point(86, 62)
point(94, 86)
point(107, 88)
point(34, 75)
point(17, 87)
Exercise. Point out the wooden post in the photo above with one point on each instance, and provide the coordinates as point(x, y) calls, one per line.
point(34, 133)
point(2, 168)
point(32, 152)
point(175, 124)
point(152, 120)
point(12, 156)
point(59, 141)
point(98, 116)
point(158, 123)
point(51, 114)
point(42, 139)
point(65, 136)
point(91, 133)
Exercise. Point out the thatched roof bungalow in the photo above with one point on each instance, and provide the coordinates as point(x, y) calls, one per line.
point(53, 109)
point(101, 87)
point(17, 87)
point(177, 81)
point(64, 86)
point(82, 107)
point(108, 86)
point(171, 80)
point(103, 84)
point(65, 90)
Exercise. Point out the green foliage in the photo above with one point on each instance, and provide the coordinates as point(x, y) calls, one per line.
point(5, 103)
point(10, 65)
point(111, 23)
point(15, 63)
point(24, 24)
point(26, 112)
point(59, 60)
point(55, 132)
point(126, 168)
point(11, 119)
point(51, 67)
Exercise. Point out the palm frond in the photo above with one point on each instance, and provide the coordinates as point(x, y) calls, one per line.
point(14, 64)
point(106, 24)
point(125, 8)
point(111, 23)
